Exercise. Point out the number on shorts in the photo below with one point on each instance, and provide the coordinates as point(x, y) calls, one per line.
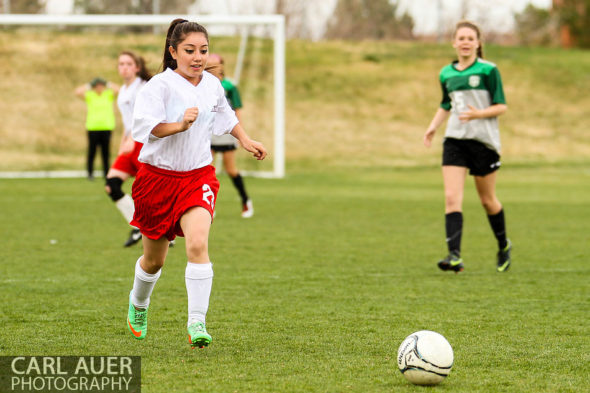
point(208, 195)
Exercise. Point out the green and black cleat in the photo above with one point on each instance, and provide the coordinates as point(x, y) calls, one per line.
point(504, 258)
point(451, 262)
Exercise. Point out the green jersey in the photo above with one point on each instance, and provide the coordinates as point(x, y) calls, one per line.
point(101, 112)
point(480, 86)
point(232, 94)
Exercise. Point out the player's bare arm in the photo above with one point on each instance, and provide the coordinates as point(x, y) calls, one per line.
point(81, 90)
point(114, 87)
point(166, 129)
point(440, 117)
point(127, 144)
point(254, 147)
point(491, 111)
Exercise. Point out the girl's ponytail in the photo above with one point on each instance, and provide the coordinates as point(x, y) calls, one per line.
point(143, 73)
point(168, 61)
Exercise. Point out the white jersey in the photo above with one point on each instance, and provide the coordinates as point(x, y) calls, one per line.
point(164, 99)
point(126, 101)
point(224, 140)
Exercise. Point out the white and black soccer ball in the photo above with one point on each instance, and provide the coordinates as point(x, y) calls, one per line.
point(425, 358)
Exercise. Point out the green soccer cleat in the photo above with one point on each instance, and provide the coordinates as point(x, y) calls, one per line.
point(504, 258)
point(451, 262)
point(137, 321)
point(198, 336)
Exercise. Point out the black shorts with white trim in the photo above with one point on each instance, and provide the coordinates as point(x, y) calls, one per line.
point(222, 148)
point(472, 154)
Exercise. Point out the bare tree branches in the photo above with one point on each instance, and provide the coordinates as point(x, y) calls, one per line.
point(368, 19)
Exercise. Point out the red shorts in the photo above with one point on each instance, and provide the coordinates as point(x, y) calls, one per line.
point(128, 162)
point(161, 198)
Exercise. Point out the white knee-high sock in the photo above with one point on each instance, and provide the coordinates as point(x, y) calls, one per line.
point(126, 207)
point(143, 285)
point(198, 278)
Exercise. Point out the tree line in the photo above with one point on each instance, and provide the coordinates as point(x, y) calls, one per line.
point(361, 19)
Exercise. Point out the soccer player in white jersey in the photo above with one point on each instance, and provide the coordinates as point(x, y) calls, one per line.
point(135, 74)
point(175, 189)
point(473, 98)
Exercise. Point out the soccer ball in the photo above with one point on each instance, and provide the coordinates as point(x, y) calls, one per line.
point(425, 358)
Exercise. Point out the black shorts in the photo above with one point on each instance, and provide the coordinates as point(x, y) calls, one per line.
point(480, 159)
point(222, 148)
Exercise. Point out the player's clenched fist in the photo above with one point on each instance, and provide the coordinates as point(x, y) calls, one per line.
point(256, 148)
point(190, 115)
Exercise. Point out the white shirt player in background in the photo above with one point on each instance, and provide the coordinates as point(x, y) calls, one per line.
point(135, 74)
point(174, 192)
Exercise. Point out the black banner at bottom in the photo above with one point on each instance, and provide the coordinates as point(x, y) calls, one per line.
point(64, 374)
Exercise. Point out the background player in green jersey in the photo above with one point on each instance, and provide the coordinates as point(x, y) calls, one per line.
point(99, 96)
point(473, 99)
point(227, 144)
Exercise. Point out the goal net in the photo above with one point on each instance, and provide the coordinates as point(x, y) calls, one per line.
point(46, 56)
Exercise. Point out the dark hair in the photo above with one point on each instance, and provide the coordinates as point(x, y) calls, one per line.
point(97, 81)
point(474, 27)
point(143, 72)
point(177, 32)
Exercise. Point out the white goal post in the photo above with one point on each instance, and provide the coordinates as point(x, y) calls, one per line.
point(277, 22)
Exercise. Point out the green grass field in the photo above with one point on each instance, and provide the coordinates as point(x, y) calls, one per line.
point(315, 292)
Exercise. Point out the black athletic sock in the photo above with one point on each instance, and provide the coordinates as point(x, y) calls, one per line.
point(239, 184)
point(499, 228)
point(454, 227)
